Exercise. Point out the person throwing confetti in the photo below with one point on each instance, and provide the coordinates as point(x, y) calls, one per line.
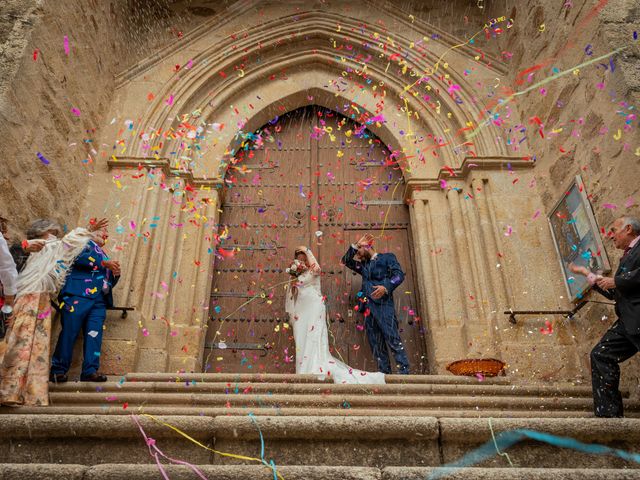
point(381, 274)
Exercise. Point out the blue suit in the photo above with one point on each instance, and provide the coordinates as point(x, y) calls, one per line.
point(381, 322)
point(84, 299)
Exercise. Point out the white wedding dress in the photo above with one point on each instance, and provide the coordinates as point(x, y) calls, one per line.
point(308, 316)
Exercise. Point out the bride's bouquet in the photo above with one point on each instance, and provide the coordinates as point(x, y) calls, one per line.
point(296, 269)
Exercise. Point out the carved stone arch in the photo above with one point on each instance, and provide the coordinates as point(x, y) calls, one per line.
point(197, 88)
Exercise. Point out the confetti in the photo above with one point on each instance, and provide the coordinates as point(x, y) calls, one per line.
point(43, 159)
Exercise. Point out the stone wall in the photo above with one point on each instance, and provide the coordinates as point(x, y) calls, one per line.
point(54, 103)
point(139, 42)
point(583, 117)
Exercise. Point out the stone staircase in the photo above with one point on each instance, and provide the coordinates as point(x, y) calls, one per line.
point(406, 429)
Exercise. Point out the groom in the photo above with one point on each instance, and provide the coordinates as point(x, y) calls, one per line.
point(381, 274)
point(84, 299)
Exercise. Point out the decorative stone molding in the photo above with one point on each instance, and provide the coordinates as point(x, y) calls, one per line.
point(469, 164)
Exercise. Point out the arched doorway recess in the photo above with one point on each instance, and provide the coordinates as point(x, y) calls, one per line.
point(311, 177)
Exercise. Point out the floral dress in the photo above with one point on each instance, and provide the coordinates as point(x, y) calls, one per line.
point(24, 369)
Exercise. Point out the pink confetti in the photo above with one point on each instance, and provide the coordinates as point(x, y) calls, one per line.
point(509, 231)
point(443, 184)
point(75, 111)
point(66, 45)
point(132, 225)
point(145, 332)
point(536, 215)
point(169, 101)
point(610, 206)
point(629, 203)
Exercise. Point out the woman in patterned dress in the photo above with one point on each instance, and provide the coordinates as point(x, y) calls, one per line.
point(24, 368)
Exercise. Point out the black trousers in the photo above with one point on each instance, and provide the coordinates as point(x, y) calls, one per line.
point(614, 347)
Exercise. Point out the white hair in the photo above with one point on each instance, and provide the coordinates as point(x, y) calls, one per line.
point(633, 222)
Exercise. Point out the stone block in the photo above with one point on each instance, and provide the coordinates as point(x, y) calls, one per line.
point(156, 334)
point(118, 357)
point(185, 340)
point(118, 328)
point(183, 364)
point(151, 360)
point(352, 441)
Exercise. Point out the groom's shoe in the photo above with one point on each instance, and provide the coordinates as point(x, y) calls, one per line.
point(58, 377)
point(93, 377)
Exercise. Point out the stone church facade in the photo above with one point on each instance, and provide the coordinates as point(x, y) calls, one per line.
point(163, 94)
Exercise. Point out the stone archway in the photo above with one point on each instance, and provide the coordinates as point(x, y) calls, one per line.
point(185, 136)
point(309, 177)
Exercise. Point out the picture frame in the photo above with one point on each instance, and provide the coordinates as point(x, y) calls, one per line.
point(576, 238)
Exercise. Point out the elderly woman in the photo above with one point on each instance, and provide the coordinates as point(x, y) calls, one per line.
point(37, 234)
point(24, 371)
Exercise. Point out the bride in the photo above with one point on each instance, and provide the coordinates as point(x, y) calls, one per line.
point(308, 314)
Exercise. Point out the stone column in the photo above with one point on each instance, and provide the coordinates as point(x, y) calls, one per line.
point(190, 301)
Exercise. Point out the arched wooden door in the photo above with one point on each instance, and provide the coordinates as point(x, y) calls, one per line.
point(311, 177)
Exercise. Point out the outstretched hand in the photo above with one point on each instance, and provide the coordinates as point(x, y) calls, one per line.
point(366, 240)
point(578, 269)
point(96, 224)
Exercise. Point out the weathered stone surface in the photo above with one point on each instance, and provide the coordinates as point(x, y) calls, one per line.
point(118, 328)
point(118, 356)
point(109, 37)
point(362, 441)
point(42, 471)
point(152, 360)
point(418, 473)
point(183, 364)
point(458, 436)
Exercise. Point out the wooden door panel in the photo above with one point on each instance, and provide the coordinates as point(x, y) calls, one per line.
point(313, 178)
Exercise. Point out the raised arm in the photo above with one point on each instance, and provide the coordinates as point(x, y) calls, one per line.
point(395, 276)
point(314, 265)
point(592, 278)
point(349, 261)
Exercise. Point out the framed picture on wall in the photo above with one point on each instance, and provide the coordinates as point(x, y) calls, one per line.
point(577, 238)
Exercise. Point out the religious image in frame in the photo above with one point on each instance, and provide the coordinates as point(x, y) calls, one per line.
point(577, 239)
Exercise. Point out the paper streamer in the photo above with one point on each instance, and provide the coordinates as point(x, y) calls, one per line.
point(509, 438)
point(224, 454)
point(151, 444)
point(271, 463)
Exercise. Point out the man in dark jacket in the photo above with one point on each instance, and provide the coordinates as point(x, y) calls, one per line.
point(622, 340)
point(381, 274)
point(84, 299)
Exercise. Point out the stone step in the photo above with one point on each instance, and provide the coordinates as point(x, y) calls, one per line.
point(347, 400)
point(304, 378)
point(324, 388)
point(378, 442)
point(121, 409)
point(241, 472)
